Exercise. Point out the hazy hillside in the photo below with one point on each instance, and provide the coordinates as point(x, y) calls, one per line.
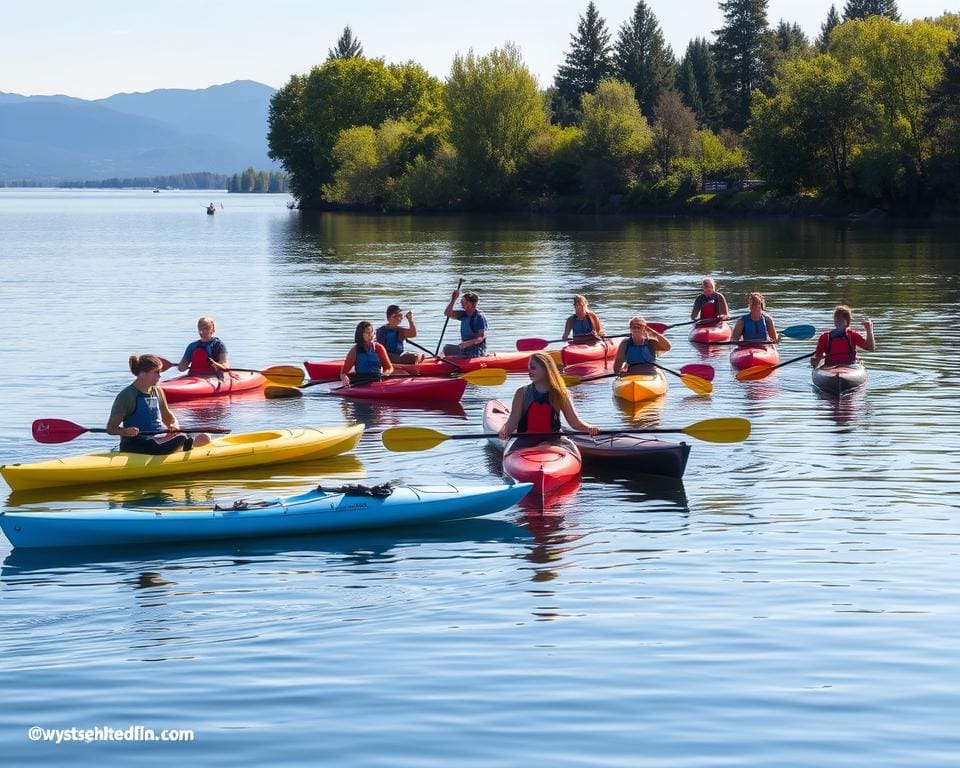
point(221, 129)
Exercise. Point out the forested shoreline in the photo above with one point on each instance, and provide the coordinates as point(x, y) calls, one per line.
point(760, 118)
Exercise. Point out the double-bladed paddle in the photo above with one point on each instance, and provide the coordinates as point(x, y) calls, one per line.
point(283, 375)
point(696, 383)
point(483, 377)
point(795, 332)
point(63, 431)
point(755, 372)
point(730, 430)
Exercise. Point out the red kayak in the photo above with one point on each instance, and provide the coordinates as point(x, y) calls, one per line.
point(711, 332)
point(191, 387)
point(424, 389)
point(549, 464)
point(754, 353)
point(509, 361)
point(574, 354)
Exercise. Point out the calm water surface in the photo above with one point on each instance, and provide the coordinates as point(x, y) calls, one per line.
point(794, 601)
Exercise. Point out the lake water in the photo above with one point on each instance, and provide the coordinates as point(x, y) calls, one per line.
point(794, 601)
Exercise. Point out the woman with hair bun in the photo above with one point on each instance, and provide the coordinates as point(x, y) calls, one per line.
point(141, 408)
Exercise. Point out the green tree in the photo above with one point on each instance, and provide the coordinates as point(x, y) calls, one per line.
point(308, 114)
point(588, 61)
point(248, 180)
point(365, 159)
point(902, 64)
point(347, 47)
point(616, 138)
point(643, 58)
point(823, 40)
point(790, 40)
point(495, 109)
point(697, 82)
point(742, 51)
point(715, 160)
point(674, 128)
point(943, 125)
point(262, 182)
point(553, 162)
point(808, 132)
point(862, 9)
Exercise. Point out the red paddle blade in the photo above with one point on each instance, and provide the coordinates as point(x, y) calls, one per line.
point(658, 327)
point(56, 430)
point(531, 345)
point(755, 373)
point(699, 370)
point(166, 365)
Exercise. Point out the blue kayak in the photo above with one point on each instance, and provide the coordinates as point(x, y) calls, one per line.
point(318, 511)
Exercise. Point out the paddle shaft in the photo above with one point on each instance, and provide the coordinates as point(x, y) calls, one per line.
point(444, 330)
point(442, 359)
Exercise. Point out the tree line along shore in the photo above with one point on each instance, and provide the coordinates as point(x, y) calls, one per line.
point(757, 119)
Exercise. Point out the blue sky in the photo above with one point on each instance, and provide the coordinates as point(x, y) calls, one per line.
point(95, 48)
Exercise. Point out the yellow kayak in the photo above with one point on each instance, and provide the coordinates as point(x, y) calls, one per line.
point(243, 450)
point(639, 387)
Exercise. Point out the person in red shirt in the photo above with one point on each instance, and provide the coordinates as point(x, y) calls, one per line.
point(839, 346)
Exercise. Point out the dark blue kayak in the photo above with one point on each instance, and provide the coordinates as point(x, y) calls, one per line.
point(319, 511)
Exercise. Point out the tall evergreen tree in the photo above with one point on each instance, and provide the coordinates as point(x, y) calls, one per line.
point(861, 9)
point(585, 65)
point(643, 58)
point(348, 46)
point(823, 41)
point(697, 82)
point(742, 50)
point(790, 39)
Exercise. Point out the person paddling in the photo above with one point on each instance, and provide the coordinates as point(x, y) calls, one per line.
point(537, 407)
point(473, 327)
point(391, 336)
point(207, 356)
point(839, 346)
point(638, 351)
point(142, 407)
point(756, 325)
point(367, 358)
point(583, 324)
point(710, 304)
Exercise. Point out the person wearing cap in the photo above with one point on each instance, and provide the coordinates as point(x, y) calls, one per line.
point(392, 334)
point(473, 327)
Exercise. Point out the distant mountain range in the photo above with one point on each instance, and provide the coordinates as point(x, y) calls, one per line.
point(221, 129)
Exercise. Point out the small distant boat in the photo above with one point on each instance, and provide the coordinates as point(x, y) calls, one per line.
point(211, 209)
point(156, 191)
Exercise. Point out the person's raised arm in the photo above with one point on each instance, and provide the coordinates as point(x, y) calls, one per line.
point(411, 332)
point(870, 343)
point(450, 311)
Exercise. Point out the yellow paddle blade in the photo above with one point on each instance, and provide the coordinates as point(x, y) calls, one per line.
point(570, 380)
point(284, 375)
point(720, 430)
point(754, 372)
point(486, 377)
point(276, 393)
point(403, 439)
point(698, 385)
point(557, 357)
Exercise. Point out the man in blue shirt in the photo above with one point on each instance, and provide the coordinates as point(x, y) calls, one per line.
point(473, 327)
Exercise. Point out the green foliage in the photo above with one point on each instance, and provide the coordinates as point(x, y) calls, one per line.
point(308, 114)
point(743, 51)
point(811, 128)
point(616, 137)
point(901, 65)
point(674, 128)
point(697, 83)
point(862, 9)
point(495, 109)
point(552, 165)
point(427, 184)
point(942, 122)
point(347, 47)
point(365, 158)
point(643, 58)
point(715, 160)
point(585, 65)
point(823, 39)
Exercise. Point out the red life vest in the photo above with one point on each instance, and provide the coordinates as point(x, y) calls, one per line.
point(840, 348)
point(708, 310)
point(538, 414)
point(200, 362)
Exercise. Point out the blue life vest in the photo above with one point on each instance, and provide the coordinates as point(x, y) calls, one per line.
point(755, 330)
point(368, 362)
point(470, 327)
point(639, 355)
point(581, 327)
point(391, 339)
point(146, 415)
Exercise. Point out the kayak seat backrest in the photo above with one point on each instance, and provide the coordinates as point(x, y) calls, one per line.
point(378, 491)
